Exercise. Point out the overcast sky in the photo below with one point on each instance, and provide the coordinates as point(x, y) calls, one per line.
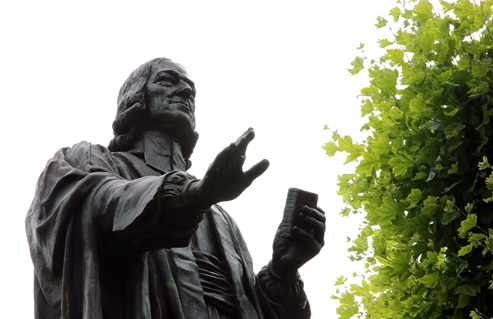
point(276, 66)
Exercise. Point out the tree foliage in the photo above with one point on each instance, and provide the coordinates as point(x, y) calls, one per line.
point(423, 178)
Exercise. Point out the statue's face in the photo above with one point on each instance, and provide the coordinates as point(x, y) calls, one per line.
point(170, 98)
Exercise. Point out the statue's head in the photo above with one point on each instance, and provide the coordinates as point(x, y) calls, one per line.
point(158, 95)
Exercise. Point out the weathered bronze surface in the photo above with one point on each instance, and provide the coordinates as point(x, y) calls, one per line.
point(125, 232)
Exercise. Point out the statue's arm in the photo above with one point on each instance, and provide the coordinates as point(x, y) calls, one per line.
point(284, 298)
point(278, 297)
point(141, 214)
point(164, 211)
point(149, 212)
point(299, 238)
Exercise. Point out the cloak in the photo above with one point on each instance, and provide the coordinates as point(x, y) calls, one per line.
point(95, 231)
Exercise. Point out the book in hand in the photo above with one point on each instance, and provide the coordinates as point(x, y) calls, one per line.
point(296, 199)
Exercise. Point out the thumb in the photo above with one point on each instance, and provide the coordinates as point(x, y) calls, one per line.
point(257, 170)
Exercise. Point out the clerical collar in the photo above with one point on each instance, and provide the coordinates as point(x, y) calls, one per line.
point(161, 152)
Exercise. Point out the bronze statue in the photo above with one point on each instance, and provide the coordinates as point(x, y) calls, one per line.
point(125, 232)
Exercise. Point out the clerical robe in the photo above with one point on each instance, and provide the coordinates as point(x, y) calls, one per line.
point(100, 247)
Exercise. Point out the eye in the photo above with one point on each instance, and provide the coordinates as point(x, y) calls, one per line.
point(166, 80)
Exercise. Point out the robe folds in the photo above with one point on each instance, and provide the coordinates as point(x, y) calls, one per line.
point(95, 231)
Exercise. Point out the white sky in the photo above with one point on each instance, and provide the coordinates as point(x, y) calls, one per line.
point(276, 66)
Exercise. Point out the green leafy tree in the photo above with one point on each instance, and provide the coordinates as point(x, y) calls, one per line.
point(422, 178)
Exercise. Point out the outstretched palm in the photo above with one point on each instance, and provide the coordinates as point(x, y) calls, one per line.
point(225, 179)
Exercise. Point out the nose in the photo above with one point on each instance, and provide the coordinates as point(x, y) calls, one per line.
point(184, 89)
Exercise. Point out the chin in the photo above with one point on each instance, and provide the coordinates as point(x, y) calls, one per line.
point(171, 122)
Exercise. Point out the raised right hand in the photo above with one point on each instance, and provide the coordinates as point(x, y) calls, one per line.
point(225, 179)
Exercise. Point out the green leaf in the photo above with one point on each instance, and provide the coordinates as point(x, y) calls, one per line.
point(417, 105)
point(420, 175)
point(380, 144)
point(357, 65)
point(400, 165)
point(352, 156)
point(465, 250)
point(484, 164)
point(360, 244)
point(354, 150)
point(427, 40)
point(424, 11)
point(366, 108)
point(453, 129)
point(395, 13)
point(452, 112)
point(345, 212)
point(414, 197)
point(340, 281)
point(384, 43)
point(387, 211)
point(478, 89)
point(446, 6)
point(381, 22)
point(476, 239)
point(346, 143)
point(467, 224)
point(370, 163)
point(475, 315)
point(395, 55)
point(430, 280)
point(464, 9)
point(489, 181)
point(430, 206)
point(386, 81)
point(415, 77)
point(463, 301)
point(330, 148)
point(348, 306)
point(468, 290)
point(335, 135)
point(369, 91)
point(447, 218)
point(454, 169)
point(489, 243)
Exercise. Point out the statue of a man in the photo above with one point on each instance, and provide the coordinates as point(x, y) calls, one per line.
point(125, 232)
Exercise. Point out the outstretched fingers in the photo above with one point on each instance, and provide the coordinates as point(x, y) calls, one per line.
point(256, 170)
point(233, 156)
point(242, 142)
point(238, 150)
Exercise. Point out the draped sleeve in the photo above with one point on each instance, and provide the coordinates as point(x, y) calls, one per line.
point(82, 198)
point(286, 299)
